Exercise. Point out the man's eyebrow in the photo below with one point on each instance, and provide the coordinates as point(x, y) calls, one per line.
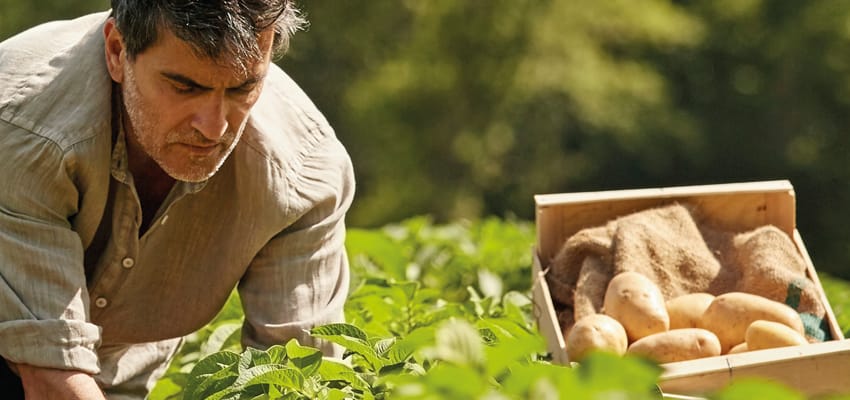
point(250, 81)
point(184, 80)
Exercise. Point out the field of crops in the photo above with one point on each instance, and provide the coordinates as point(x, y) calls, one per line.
point(435, 312)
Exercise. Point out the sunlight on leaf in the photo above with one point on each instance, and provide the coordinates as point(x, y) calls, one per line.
point(755, 388)
point(459, 343)
point(340, 329)
point(304, 358)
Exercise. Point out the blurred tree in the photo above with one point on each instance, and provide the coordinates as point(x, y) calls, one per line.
point(469, 108)
point(16, 15)
point(769, 86)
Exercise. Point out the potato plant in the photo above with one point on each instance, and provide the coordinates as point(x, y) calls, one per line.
point(435, 312)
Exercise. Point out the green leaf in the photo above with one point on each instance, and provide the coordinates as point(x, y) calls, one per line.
point(251, 357)
point(634, 375)
point(491, 285)
point(166, 388)
point(510, 351)
point(456, 382)
point(488, 336)
point(389, 369)
point(458, 342)
point(513, 303)
point(254, 381)
point(532, 381)
point(332, 370)
point(341, 335)
point(380, 249)
point(545, 389)
point(207, 367)
point(403, 348)
point(277, 354)
point(757, 388)
point(409, 288)
point(483, 306)
point(441, 314)
point(503, 328)
point(340, 330)
point(377, 313)
point(838, 293)
point(271, 374)
point(307, 359)
point(382, 345)
point(334, 394)
point(222, 337)
point(214, 384)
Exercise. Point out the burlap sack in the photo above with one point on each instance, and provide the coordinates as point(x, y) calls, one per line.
point(682, 254)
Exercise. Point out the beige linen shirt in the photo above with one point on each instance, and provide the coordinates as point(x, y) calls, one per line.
point(80, 289)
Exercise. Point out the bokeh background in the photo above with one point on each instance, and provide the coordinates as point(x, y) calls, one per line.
point(466, 109)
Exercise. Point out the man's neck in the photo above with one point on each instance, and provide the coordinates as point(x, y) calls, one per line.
point(152, 186)
point(151, 182)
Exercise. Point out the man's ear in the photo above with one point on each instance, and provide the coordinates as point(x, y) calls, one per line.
point(114, 46)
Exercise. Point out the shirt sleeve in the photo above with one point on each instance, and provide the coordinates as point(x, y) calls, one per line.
point(300, 278)
point(43, 295)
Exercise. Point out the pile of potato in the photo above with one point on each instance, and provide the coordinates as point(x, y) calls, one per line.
point(637, 320)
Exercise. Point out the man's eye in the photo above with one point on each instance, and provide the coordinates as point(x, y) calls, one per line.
point(183, 89)
point(243, 90)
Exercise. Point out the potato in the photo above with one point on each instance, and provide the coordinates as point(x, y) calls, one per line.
point(730, 314)
point(768, 334)
point(738, 348)
point(686, 310)
point(637, 303)
point(595, 332)
point(677, 345)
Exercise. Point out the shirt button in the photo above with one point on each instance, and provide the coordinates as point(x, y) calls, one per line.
point(101, 302)
point(128, 263)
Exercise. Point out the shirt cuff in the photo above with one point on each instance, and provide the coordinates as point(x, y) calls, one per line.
point(60, 344)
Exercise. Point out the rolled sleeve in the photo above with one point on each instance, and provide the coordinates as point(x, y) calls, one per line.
point(62, 344)
point(300, 278)
point(43, 296)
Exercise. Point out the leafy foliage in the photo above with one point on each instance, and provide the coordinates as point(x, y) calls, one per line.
point(838, 294)
point(414, 331)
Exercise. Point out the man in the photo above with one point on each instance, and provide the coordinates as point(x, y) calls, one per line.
point(152, 159)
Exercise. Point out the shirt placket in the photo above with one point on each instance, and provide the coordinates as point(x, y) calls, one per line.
point(121, 254)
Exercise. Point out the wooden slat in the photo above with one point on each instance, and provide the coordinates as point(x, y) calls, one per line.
point(736, 207)
point(814, 369)
point(544, 313)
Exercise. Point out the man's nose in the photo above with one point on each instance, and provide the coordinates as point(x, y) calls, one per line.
point(210, 119)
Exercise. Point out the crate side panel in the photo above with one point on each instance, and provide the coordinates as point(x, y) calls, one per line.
point(729, 211)
point(813, 369)
point(544, 314)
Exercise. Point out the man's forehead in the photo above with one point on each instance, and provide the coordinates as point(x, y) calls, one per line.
point(176, 57)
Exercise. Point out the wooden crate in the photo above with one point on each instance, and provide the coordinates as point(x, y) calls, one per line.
point(813, 369)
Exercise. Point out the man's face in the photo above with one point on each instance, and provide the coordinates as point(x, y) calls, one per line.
point(184, 112)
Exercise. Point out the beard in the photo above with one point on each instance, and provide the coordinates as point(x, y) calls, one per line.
point(168, 147)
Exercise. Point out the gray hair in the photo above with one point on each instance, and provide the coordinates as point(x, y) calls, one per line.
point(223, 30)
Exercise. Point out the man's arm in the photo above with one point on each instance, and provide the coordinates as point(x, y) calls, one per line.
point(300, 279)
point(48, 383)
point(43, 294)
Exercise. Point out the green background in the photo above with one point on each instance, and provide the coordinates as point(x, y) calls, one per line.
point(466, 109)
